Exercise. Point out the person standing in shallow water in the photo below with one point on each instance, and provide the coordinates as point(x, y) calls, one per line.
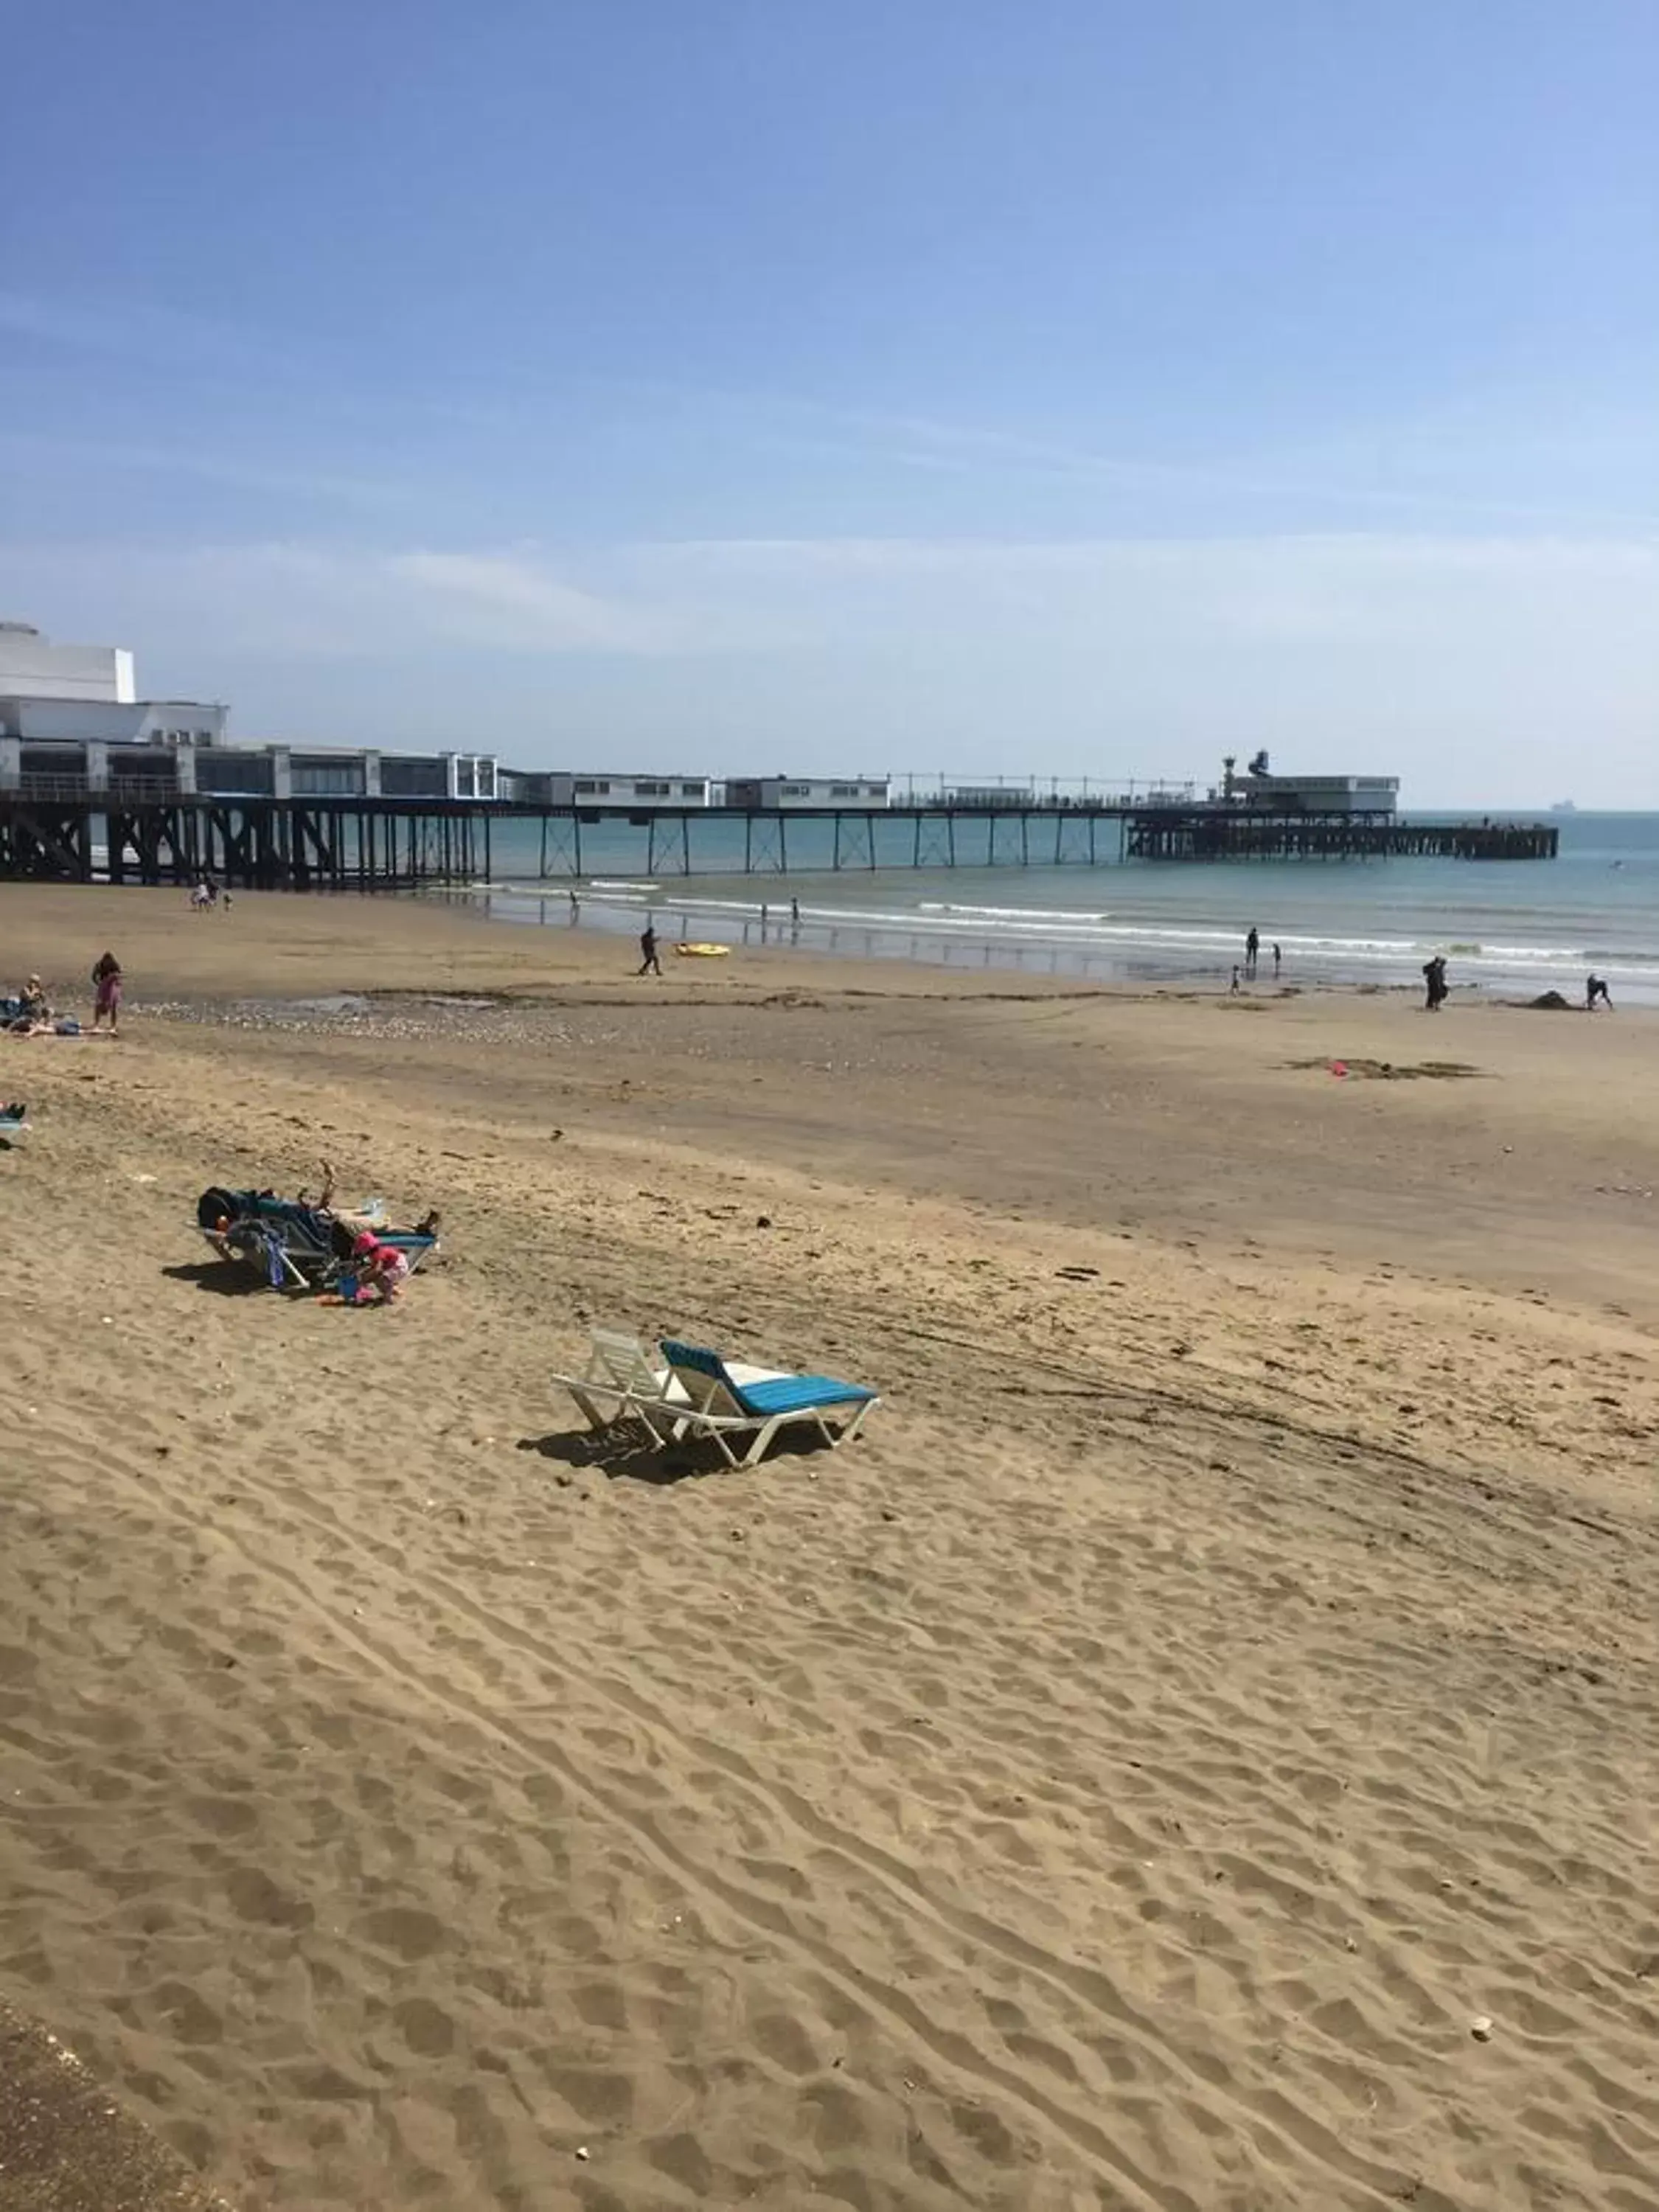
point(1252, 950)
point(1278, 957)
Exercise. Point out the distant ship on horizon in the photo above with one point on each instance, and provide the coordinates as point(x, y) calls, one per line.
point(1564, 806)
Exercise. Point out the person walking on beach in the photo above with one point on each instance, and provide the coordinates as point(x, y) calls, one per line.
point(1278, 957)
point(794, 914)
point(1435, 987)
point(1252, 948)
point(107, 982)
point(649, 965)
point(1596, 994)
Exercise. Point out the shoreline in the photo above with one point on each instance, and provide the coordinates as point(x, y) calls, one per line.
point(1038, 946)
point(1081, 947)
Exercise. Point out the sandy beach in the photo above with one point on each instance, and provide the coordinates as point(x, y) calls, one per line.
point(1196, 1753)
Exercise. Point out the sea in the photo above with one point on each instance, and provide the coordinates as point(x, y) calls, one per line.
point(1508, 929)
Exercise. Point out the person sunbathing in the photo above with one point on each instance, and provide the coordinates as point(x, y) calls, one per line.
point(362, 1217)
point(355, 1217)
point(33, 1011)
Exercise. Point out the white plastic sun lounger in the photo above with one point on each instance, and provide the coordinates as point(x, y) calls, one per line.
point(625, 1381)
point(622, 1381)
point(730, 1402)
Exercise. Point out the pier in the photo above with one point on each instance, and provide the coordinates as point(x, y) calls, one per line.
point(64, 835)
point(1232, 833)
point(347, 845)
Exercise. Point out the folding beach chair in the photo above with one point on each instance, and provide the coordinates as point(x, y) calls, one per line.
point(292, 1246)
point(729, 1401)
point(14, 1123)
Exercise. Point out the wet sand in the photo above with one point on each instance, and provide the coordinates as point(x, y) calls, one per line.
point(1223, 1675)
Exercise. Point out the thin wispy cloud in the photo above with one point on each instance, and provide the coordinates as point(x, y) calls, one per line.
point(136, 327)
point(24, 451)
point(1325, 478)
point(1132, 653)
point(1430, 450)
point(526, 603)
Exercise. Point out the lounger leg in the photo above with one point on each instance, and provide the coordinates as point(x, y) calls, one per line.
point(595, 1419)
point(662, 1433)
point(756, 1451)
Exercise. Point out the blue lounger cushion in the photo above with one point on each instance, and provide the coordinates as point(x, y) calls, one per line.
point(798, 1393)
point(786, 1394)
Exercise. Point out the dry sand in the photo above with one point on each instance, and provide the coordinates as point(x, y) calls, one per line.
point(1223, 1675)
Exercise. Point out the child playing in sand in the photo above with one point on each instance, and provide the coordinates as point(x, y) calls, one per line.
point(380, 1266)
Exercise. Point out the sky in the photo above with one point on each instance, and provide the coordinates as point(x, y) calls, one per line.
point(1073, 388)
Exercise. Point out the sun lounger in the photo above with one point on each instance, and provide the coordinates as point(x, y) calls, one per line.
point(622, 1381)
point(730, 1402)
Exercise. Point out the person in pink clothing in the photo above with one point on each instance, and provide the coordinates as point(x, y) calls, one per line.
point(381, 1268)
point(107, 982)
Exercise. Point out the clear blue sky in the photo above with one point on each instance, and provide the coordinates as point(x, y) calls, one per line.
point(1077, 387)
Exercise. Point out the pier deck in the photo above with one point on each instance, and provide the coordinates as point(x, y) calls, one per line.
point(384, 844)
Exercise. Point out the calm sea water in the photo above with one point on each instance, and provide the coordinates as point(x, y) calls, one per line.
point(1506, 927)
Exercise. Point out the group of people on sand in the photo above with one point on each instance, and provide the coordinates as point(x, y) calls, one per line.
point(1435, 988)
point(31, 1014)
point(207, 898)
point(366, 1262)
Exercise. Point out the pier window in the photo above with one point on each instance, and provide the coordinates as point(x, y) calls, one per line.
point(248, 774)
point(314, 779)
point(414, 776)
